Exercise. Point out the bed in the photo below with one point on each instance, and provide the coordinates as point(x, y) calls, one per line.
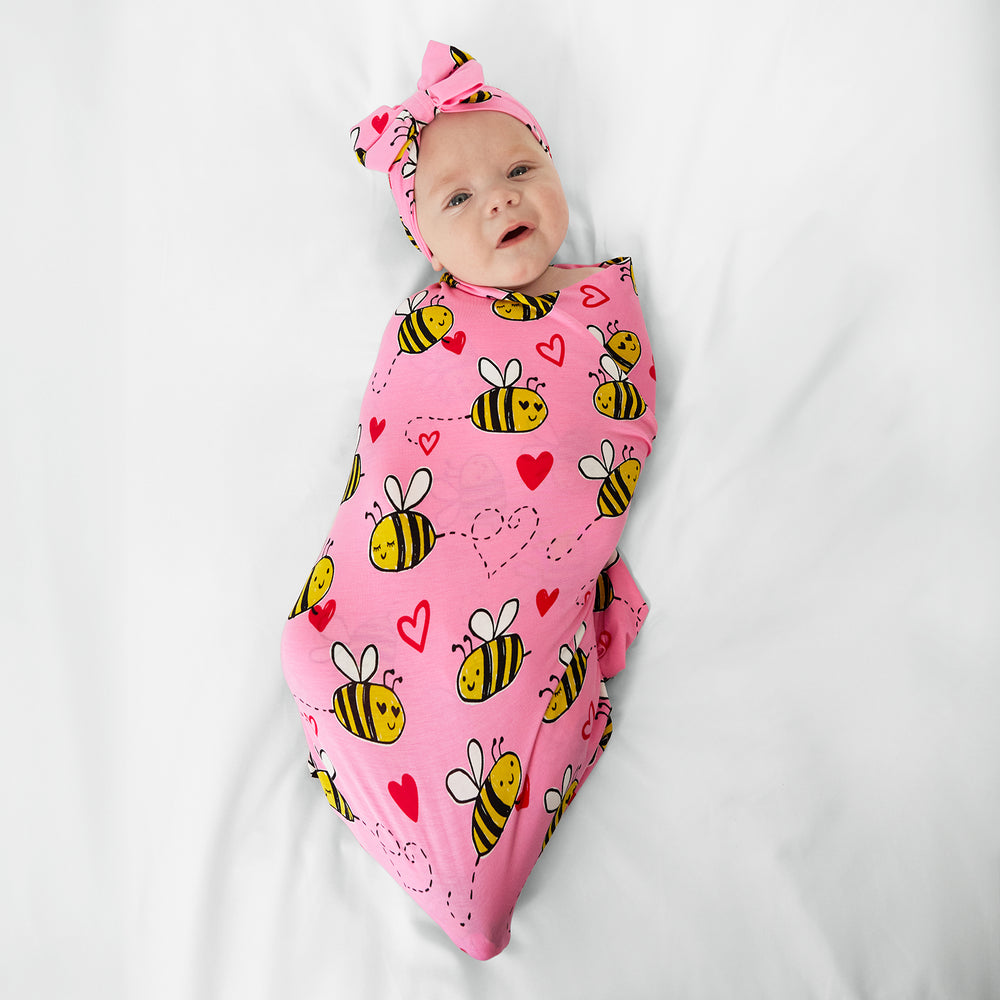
point(802, 796)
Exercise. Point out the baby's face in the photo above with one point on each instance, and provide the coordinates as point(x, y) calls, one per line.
point(489, 201)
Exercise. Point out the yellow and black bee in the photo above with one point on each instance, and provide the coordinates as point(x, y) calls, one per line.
point(316, 587)
point(507, 408)
point(422, 327)
point(358, 152)
point(406, 129)
point(325, 773)
point(517, 306)
point(618, 483)
point(571, 683)
point(355, 477)
point(460, 57)
point(622, 345)
point(369, 711)
point(627, 271)
point(617, 397)
point(556, 800)
point(489, 668)
point(494, 797)
point(404, 538)
point(477, 98)
point(604, 589)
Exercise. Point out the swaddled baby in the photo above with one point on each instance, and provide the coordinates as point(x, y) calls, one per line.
point(449, 649)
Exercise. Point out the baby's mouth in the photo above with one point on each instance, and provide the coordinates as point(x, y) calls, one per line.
point(515, 234)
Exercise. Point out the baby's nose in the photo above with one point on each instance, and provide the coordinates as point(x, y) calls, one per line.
point(503, 196)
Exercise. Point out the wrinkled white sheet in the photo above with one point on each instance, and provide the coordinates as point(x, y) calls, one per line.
point(801, 798)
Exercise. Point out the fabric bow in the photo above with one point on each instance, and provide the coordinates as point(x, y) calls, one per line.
point(388, 140)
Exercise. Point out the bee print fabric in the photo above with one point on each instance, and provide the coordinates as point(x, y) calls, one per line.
point(449, 648)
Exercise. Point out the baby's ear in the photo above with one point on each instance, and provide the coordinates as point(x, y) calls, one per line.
point(435, 262)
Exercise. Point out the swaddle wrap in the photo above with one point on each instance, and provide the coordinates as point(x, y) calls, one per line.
point(388, 139)
point(449, 649)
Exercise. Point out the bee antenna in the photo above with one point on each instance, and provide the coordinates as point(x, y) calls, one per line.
point(395, 680)
point(378, 507)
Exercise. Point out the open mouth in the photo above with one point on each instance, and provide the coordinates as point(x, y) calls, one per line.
point(514, 235)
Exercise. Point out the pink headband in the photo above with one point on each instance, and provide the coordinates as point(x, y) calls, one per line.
point(387, 139)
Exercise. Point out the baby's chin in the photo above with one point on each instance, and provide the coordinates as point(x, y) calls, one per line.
point(512, 279)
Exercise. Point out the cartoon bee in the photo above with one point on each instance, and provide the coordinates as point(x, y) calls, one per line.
point(622, 345)
point(404, 538)
point(516, 306)
point(460, 57)
point(494, 797)
point(422, 327)
point(507, 408)
point(557, 800)
point(617, 397)
point(477, 98)
point(618, 481)
point(317, 585)
point(406, 128)
point(571, 683)
point(360, 153)
point(355, 477)
point(325, 773)
point(604, 589)
point(489, 668)
point(369, 711)
point(627, 271)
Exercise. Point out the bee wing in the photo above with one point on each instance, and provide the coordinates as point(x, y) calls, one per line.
point(490, 372)
point(410, 305)
point(565, 655)
point(460, 786)
point(608, 453)
point(475, 752)
point(394, 491)
point(567, 778)
point(369, 662)
point(512, 372)
point(506, 617)
point(482, 625)
point(420, 484)
point(578, 638)
point(552, 799)
point(598, 334)
point(590, 467)
point(611, 367)
point(344, 660)
point(326, 765)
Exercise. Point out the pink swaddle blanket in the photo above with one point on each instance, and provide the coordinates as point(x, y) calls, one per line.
point(448, 651)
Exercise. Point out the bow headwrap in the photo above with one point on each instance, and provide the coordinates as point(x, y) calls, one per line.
point(389, 138)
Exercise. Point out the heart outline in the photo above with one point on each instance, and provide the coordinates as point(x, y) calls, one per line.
point(406, 622)
point(590, 296)
point(428, 442)
point(550, 352)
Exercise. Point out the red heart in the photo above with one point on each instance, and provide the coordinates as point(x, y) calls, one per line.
point(652, 372)
point(455, 342)
point(544, 600)
point(320, 616)
point(525, 797)
point(429, 441)
point(404, 794)
point(312, 719)
point(379, 122)
point(410, 628)
point(603, 643)
point(554, 350)
point(375, 428)
point(593, 297)
point(588, 726)
point(534, 470)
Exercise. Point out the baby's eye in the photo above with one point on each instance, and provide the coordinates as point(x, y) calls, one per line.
point(457, 199)
point(519, 171)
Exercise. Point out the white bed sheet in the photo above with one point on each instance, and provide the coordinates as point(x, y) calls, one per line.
point(801, 798)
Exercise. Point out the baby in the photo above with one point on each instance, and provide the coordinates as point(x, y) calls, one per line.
point(449, 649)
